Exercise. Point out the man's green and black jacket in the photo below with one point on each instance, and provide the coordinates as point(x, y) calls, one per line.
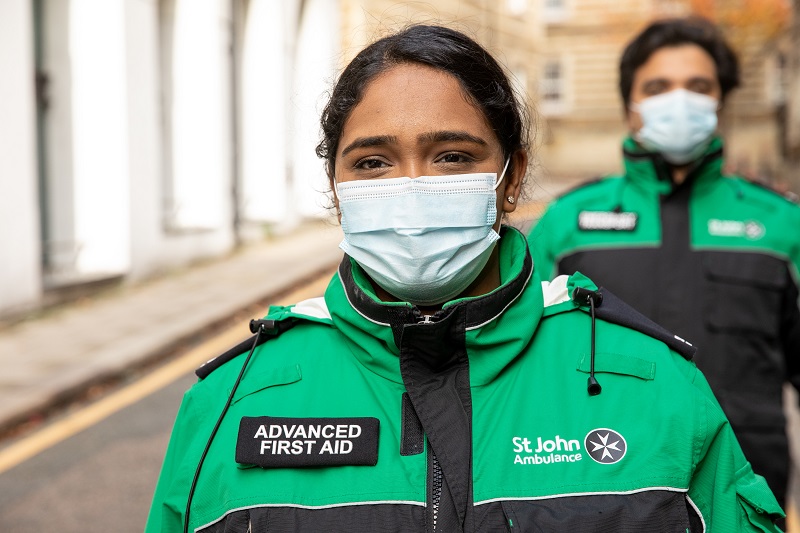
point(714, 260)
point(369, 416)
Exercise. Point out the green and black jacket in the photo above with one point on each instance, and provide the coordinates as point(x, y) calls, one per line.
point(714, 260)
point(474, 419)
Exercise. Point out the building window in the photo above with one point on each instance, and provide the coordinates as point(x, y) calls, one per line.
point(554, 11)
point(552, 87)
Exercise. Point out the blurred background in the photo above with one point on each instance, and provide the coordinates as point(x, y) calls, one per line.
point(158, 183)
point(141, 135)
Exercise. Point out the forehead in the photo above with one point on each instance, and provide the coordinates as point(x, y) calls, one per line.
point(679, 62)
point(410, 99)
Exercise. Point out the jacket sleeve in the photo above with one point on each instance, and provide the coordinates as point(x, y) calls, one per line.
point(541, 240)
point(172, 489)
point(728, 495)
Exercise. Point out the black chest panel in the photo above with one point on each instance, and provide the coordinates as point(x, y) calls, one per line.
point(732, 305)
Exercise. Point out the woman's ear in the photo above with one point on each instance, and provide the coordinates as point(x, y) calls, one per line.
point(513, 183)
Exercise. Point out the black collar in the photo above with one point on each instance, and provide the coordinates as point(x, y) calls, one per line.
point(478, 310)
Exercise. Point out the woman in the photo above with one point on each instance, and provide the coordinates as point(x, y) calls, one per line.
point(439, 385)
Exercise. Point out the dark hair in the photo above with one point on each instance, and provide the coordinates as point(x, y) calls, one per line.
point(479, 74)
point(676, 32)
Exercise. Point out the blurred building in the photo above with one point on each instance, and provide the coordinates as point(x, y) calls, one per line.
point(142, 135)
point(565, 54)
point(579, 96)
point(137, 136)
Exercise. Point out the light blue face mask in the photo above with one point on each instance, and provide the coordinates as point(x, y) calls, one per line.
point(679, 124)
point(423, 240)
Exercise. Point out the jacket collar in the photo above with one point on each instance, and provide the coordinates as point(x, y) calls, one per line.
point(650, 171)
point(502, 321)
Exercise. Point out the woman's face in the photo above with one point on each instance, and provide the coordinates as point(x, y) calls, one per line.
point(414, 121)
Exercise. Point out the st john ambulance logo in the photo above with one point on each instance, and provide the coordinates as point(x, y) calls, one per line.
point(605, 446)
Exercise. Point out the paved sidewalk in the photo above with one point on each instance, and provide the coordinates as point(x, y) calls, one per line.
point(47, 360)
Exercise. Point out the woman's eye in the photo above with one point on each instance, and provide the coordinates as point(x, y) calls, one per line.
point(454, 158)
point(370, 164)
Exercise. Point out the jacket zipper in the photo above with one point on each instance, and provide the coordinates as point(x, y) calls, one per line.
point(436, 469)
point(436, 489)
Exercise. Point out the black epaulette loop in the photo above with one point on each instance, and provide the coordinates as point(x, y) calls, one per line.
point(272, 328)
point(267, 328)
point(585, 297)
point(593, 299)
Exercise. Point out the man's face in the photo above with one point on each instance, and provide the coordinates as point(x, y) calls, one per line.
point(685, 66)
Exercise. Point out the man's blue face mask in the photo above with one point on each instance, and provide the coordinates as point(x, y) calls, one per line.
point(678, 124)
point(423, 240)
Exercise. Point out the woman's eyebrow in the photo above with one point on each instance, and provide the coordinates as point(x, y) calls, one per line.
point(443, 136)
point(366, 142)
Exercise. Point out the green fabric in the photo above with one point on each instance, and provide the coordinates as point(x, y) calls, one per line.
point(527, 383)
point(774, 221)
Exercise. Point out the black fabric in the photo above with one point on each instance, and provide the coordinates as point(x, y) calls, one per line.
point(645, 511)
point(676, 273)
point(412, 437)
point(612, 513)
point(742, 333)
point(435, 371)
point(790, 333)
point(620, 264)
point(614, 310)
point(233, 523)
point(695, 520)
point(737, 308)
point(384, 518)
point(279, 442)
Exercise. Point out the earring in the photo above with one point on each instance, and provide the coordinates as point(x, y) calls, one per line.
point(510, 199)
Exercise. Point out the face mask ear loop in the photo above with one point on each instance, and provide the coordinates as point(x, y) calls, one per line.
point(503, 174)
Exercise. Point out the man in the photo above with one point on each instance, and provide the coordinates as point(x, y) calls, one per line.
point(713, 258)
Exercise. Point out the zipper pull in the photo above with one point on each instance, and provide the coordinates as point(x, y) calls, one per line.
point(426, 319)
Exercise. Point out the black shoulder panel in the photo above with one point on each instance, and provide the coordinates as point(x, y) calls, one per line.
point(271, 329)
point(614, 310)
